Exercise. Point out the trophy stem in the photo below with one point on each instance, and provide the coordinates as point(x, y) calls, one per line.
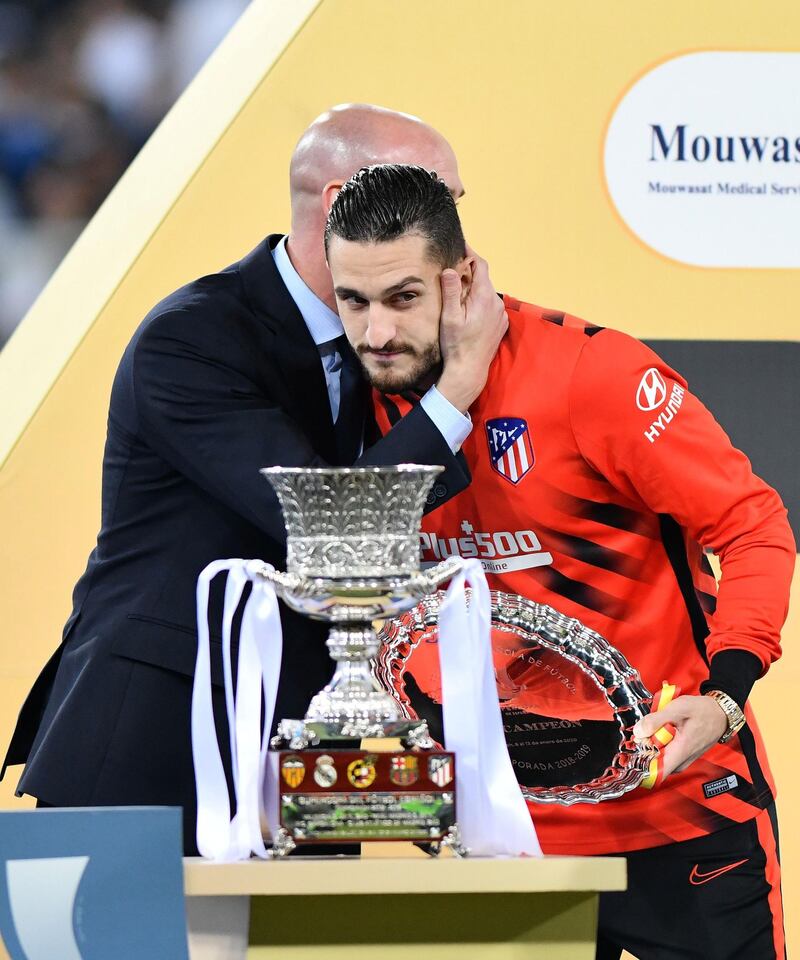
point(352, 642)
point(353, 699)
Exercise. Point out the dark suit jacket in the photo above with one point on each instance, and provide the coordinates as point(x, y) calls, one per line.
point(220, 379)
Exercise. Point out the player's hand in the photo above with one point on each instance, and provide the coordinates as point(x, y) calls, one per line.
point(699, 722)
point(470, 332)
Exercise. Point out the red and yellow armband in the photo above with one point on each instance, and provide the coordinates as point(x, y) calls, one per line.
point(662, 736)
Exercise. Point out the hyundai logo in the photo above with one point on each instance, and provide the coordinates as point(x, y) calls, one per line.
point(652, 390)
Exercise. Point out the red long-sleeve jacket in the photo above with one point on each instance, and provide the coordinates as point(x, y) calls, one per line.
point(599, 481)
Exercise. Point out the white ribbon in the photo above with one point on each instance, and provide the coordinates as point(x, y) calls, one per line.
point(220, 836)
point(491, 811)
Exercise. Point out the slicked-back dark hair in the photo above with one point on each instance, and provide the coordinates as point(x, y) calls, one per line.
point(386, 201)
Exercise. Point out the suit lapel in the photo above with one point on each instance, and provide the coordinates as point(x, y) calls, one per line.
point(294, 352)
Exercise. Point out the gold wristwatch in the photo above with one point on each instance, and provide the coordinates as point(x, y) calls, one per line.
point(736, 718)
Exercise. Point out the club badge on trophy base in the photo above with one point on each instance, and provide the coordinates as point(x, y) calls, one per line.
point(353, 558)
point(355, 795)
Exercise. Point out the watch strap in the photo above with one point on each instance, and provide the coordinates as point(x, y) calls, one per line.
point(733, 713)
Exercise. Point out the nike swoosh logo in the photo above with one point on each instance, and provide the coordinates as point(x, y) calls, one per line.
point(697, 878)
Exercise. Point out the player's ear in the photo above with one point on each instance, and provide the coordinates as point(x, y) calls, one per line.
point(465, 269)
point(329, 193)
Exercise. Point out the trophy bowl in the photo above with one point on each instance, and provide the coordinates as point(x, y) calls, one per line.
point(569, 700)
point(353, 540)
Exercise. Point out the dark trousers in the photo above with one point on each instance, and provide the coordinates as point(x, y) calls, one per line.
point(717, 897)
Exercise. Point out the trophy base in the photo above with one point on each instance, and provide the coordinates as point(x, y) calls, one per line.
point(301, 734)
point(283, 844)
point(355, 796)
point(451, 841)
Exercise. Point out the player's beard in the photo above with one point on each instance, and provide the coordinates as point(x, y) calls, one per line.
point(420, 376)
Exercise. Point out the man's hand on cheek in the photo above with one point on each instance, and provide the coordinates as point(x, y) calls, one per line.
point(470, 332)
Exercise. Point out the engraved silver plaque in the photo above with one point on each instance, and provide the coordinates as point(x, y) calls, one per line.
point(569, 700)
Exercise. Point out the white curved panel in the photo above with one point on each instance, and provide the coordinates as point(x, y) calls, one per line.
point(42, 895)
point(702, 159)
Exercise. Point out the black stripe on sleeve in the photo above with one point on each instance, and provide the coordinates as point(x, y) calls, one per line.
point(672, 538)
point(595, 554)
point(582, 593)
point(611, 515)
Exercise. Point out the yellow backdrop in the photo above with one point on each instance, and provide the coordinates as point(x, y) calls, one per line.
point(524, 90)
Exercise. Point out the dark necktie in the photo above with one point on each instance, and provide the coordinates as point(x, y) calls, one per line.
point(349, 424)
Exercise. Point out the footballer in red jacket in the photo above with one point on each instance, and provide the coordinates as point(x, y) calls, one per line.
point(599, 483)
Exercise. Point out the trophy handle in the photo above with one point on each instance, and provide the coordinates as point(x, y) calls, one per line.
point(282, 582)
point(431, 579)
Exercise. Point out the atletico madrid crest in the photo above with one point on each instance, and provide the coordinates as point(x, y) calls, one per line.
point(440, 770)
point(510, 448)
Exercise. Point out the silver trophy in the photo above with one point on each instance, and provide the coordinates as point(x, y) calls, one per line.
point(353, 558)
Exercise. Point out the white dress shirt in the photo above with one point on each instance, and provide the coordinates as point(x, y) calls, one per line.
point(325, 327)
